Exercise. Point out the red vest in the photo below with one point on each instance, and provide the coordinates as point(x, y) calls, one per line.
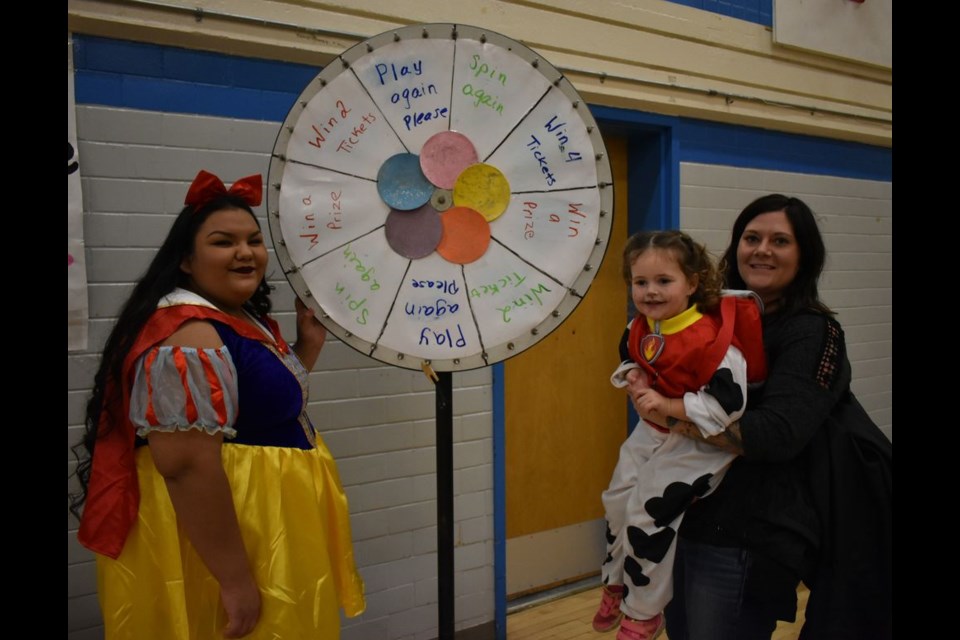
point(691, 356)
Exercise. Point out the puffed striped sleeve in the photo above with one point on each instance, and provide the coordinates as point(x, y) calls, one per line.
point(178, 388)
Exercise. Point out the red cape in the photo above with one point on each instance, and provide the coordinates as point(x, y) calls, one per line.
point(113, 495)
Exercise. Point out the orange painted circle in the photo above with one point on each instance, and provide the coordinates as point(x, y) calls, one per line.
point(466, 235)
point(483, 188)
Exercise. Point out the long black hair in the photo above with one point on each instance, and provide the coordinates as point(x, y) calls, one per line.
point(162, 276)
point(802, 292)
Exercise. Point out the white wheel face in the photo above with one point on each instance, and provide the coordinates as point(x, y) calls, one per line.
point(440, 194)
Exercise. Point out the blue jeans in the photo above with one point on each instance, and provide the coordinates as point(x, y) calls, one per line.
point(711, 600)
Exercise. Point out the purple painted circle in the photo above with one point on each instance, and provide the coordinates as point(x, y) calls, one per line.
point(444, 155)
point(414, 234)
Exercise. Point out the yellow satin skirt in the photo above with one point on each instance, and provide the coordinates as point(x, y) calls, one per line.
point(296, 530)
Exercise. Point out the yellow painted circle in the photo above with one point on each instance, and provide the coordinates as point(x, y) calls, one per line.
point(483, 188)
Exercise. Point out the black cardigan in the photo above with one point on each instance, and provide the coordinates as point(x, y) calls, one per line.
point(812, 495)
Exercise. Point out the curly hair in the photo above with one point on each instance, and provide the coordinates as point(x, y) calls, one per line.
point(692, 258)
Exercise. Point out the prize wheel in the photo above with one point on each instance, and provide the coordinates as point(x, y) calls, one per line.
point(439, 194)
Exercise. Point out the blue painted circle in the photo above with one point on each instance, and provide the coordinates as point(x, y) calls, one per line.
point(401, 183)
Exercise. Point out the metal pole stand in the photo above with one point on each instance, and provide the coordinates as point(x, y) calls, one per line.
point(445, 582)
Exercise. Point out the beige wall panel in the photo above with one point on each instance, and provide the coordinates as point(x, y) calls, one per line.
point(855, 317)
point(857, 243)
point(854, 30)
point(876, 387)
point(868, 99)
point(555, 557)
point(877, 213)
point(850, 279)
point(695, 24)
point(268, 29)
point(732, 105)
point(636, 54)
point(858, 261)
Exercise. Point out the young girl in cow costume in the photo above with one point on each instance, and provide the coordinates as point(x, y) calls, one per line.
point(689, 354)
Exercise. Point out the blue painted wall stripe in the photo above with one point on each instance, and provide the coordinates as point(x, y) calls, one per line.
point(499, 505)
point(759, 11)
point(754, 148)
point(715, 143)
point(136, 75)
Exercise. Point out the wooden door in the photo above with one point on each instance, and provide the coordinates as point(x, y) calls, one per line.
point(564, 423)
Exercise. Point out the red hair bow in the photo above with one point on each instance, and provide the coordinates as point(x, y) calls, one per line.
point(207, 186)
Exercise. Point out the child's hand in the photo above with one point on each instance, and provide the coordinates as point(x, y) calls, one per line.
point(637, 381)
point(648, 401)
point(637, 377)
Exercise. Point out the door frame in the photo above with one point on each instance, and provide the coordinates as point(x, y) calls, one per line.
point(654, 177)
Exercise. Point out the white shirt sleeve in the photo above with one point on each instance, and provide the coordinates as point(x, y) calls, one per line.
point(704, 407)
point(619, 377)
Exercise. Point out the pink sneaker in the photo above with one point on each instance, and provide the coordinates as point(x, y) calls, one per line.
point(609, 614)
point(631, 629)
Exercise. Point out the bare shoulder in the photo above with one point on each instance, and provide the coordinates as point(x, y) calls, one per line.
point(198, 334)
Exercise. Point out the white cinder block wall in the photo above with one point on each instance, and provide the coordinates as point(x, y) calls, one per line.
point(378, 421)
point(856, 219)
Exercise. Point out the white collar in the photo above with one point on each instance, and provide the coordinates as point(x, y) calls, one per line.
point(181, 296)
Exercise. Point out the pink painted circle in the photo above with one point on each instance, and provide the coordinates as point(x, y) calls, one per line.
point(444, 155)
